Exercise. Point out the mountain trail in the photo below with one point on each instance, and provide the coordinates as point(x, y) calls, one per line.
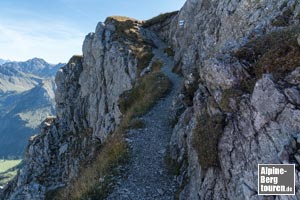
point(147, 176)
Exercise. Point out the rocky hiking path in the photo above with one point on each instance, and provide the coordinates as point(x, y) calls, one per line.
point(147, 177)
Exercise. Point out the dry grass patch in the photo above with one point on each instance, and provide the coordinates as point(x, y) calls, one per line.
point(136, 124)
point(93, 181)
point(159, 19)
point(127, 32)
point(147, 91)
point(227, 95)
point(169, 51)
point(144, 56)
point(278, 53)
point(206, 137)
point(172, 165)
point(177, 69)
point(157, 65)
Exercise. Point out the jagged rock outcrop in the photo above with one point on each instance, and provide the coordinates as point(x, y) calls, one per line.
point(257, 97)
point(88, 89)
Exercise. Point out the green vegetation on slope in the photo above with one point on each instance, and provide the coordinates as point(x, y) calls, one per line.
point(159, 19)
point(206, 137)
point(127, 32)
point(147, 91)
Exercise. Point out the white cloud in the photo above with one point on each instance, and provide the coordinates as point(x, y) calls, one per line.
point(53, 41)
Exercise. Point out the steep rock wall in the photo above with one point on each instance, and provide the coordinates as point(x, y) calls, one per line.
point(259, 126)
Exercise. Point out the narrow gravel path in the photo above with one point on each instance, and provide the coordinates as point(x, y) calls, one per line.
point(147, 177)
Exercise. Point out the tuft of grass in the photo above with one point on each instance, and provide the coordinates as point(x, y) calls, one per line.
point(283, 19)
point(172, 165)
point(159, 19)
point(144, 56)
point(169, 51)
point(227, 95)
point(136, 124)
point(189, 92)
point(126, 28)
point(177, 69)
point(146, 92)
point(95, 178)
point(157, 65)
point(206, 136)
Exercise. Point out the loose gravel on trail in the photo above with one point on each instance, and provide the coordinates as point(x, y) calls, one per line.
point(147, 177)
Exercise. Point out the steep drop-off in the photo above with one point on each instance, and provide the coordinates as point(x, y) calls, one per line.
point(26, 99)
point(88, 90)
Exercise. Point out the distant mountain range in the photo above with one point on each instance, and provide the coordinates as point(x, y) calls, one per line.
point(26, 99)
point(2, 61)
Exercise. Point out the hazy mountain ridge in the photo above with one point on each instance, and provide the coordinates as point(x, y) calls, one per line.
point(36, 66)
point(26, 99)
point(2, 61)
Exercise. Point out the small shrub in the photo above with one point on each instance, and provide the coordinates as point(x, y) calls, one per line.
point(177, 69)
point(226, 96)
point(169, 51)
point(136, 124)
point(189, 91)
point(172, 165)
point(144, 57)
point(206, 136)
point(157, 65)
point(283, 19)
point(159, 19)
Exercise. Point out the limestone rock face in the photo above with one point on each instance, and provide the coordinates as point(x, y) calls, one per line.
point(217, 26)
point(88, 90)
point(261, 123)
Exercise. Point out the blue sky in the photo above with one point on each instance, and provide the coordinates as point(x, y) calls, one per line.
point(54, 30)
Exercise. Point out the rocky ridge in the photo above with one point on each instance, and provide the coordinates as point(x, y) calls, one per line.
point(88, 89)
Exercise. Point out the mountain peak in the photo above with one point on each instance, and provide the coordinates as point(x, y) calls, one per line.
point(2, 61)
point(35, 59)
point(36, 66)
